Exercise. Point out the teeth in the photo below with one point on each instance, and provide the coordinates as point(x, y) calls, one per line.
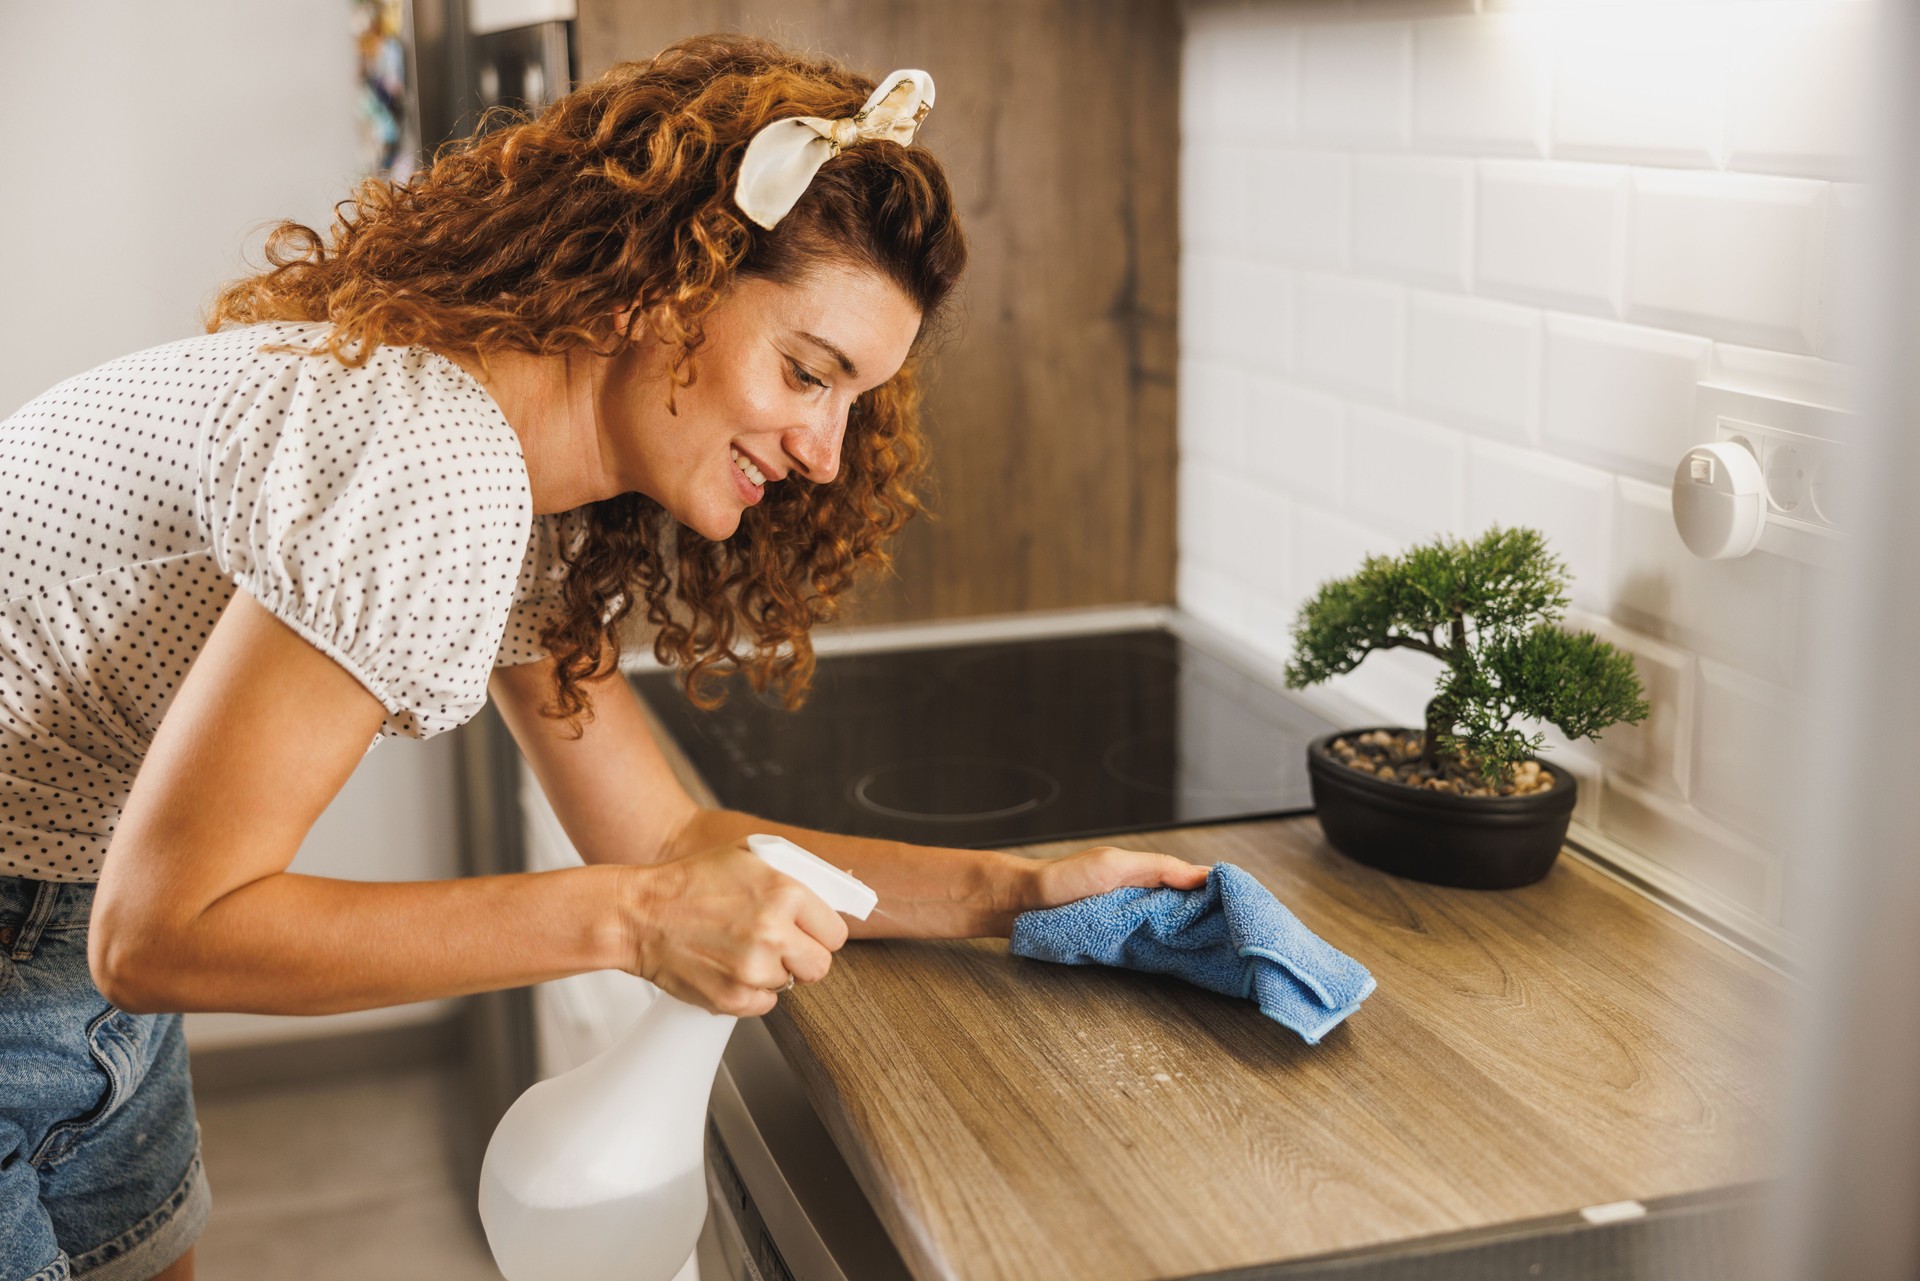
point(745, 464)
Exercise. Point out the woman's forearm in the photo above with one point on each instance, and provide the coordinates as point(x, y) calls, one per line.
point(291, 944)
point(620, 803)
point(926, 891)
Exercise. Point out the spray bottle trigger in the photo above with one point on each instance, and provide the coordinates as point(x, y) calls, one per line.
point(842, 891)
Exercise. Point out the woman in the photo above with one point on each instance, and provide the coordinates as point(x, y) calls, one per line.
point(589, 362)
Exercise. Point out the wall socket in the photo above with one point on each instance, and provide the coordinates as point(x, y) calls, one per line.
point(1803, 457)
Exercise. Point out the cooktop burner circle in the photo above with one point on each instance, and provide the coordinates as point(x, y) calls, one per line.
point(1151, 762)
point(954, 789)
point(1069, 671)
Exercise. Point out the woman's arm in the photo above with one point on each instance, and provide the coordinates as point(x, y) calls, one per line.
point(926, 891)
point(196, 910)
point(619, 802)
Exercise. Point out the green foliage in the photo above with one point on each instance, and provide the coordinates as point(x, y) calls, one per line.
point(1489, 611)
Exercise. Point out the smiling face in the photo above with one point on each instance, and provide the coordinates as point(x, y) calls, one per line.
point(780, 369)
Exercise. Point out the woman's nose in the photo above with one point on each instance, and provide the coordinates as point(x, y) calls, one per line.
point(815, 448)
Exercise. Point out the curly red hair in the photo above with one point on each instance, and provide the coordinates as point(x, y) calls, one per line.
point(532, 236)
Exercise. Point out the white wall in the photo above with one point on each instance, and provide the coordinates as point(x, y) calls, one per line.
point(1440, 272)
point(144, 143)
point(146, 147)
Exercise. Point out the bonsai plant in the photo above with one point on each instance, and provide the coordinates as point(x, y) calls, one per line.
point(1461, 800)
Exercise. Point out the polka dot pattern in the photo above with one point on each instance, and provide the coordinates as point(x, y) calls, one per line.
point(383, 513)
point(536, 593)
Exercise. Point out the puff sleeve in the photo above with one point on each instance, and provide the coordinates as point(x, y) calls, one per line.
point(382, 512)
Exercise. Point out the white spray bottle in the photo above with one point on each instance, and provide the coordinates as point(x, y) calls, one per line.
point(599, 1173)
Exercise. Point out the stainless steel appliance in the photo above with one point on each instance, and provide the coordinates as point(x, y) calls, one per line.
point(469, 55)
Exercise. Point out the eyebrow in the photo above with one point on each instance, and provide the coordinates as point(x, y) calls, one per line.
point(831, 350)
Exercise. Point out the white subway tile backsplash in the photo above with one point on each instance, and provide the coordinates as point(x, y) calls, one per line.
point(1784, 376)
point(1354, 83)
point(1445, 272)
point(1197, 492)
point(1571, 505)
point(1297, 439)
point(1235, 311)
point(1327, 546)
point(1796, 91)
point(1658, 751)
point(1480, 85)
point(1552, 233)
point(1396, 684)
point(1212, 410)
point(1821, 642)
point(1404, 475)
point(1250, 537)
point(1213, 197)
point(1267, 625)
point(1733, 256)
point(1737, 612)
point(1298, 203)
point(1475, 364)
point(1803, 883)
point(1743, 770)
point(1641, 83)
point(1209, 595)
point(1348, 334)
point(1848, 287)
point(1578, 760)
point(1259, 327)
point(1258, 92)
point(1413, 217)
point(1621, 396)
point(1237, 78)
point(1199, 293)
point(1705, 852)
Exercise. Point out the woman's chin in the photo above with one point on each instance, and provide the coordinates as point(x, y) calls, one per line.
point(715, 527)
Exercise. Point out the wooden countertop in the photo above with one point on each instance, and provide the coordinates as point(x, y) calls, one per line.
point(1528, 1053)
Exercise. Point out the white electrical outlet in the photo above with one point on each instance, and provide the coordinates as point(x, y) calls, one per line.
point(1803, 456)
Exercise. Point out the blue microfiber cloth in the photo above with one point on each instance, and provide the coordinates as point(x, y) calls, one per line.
point(1230, 936)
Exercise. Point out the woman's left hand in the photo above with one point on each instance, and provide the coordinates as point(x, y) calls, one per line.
point(1107, 867)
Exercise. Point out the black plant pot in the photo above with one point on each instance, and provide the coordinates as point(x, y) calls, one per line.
point(1475, 842)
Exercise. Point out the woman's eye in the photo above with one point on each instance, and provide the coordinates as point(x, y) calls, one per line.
point(803, 376)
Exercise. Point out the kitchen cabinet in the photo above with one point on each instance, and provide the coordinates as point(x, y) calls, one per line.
point(1051, 403)
point(1529, 1055)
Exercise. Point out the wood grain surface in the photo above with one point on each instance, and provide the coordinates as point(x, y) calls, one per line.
point(1528, 1053)
point(1051, 404)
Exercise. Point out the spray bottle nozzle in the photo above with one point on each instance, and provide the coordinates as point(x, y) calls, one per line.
point(842, 891)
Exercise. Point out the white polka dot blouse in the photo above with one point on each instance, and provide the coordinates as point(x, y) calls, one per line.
point(382, 512)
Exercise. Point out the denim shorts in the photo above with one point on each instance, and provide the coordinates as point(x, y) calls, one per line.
point(100, 1173)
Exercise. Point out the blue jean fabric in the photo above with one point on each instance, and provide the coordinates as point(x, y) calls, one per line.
point(100, 1173)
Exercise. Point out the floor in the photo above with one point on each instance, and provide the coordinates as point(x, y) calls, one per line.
point(346, 1178)
point(349, 1177)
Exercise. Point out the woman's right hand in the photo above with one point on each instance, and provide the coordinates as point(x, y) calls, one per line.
point(722, 930)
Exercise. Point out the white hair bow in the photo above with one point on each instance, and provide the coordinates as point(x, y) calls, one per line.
point(783, 157)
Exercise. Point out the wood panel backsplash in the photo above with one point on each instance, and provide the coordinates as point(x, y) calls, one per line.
point(1051, 409)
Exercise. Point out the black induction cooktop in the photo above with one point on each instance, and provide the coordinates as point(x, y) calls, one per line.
point(1004, 743)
